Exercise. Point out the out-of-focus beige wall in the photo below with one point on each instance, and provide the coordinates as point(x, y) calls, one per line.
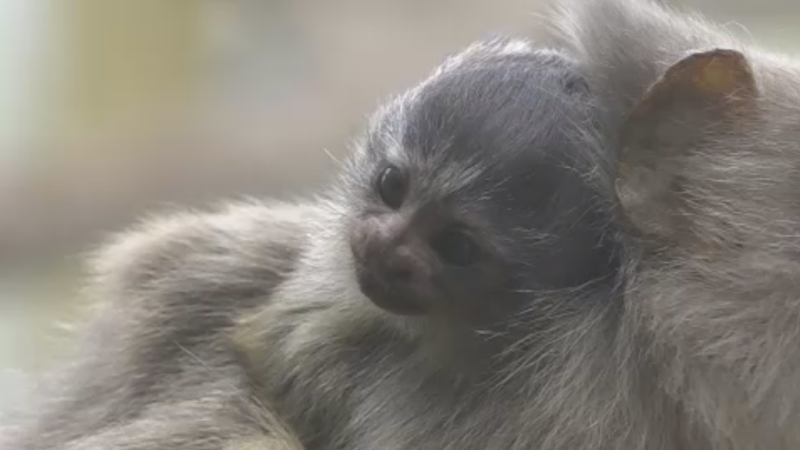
point(153, 101)
point(112, 108)
point(127, 60)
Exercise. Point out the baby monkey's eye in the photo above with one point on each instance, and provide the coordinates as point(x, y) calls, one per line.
point(392, 187)
point(456, 247)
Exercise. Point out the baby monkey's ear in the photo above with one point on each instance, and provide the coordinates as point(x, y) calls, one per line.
point(703, 96)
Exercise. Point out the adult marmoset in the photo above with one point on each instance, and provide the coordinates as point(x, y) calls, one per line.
point(707, 183)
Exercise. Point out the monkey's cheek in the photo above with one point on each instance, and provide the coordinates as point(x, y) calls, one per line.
point(389, 300)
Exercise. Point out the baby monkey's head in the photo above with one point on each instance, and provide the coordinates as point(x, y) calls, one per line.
point(481, 187)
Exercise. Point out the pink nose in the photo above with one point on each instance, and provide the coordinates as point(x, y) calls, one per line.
point(404, 262)
point(394, 264)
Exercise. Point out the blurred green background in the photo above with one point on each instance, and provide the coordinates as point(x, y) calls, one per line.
point(113, 108)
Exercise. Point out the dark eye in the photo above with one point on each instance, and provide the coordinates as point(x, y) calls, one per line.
point(456, 247)
point(392, 187)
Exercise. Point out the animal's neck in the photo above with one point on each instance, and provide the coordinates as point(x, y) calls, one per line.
point(545, 370)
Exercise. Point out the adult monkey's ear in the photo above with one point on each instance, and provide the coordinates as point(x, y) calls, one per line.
point(704, 95)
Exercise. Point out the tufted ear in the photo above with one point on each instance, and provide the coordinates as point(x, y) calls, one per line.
point(704, 94)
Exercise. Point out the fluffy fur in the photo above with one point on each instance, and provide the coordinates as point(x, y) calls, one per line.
point(724, 320)
point(154, 369)
point(682, 349)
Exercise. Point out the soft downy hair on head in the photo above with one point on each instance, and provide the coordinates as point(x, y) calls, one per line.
point(709, 170)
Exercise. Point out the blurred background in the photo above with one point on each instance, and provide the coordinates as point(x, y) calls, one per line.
point(110, 109)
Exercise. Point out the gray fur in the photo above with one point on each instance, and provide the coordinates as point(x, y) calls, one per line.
point(725, 321)
point(698, 352)
point(154, 370)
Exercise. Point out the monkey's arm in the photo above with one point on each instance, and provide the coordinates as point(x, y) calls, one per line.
point(156, 369)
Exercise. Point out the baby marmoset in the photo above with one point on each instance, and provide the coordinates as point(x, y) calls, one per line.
point(456, 288)
point(459, 286)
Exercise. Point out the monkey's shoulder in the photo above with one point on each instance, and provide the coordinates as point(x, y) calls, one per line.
point(242, 250)
point(170, 289)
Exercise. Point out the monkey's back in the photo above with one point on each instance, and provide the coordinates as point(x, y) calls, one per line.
point(155, 368)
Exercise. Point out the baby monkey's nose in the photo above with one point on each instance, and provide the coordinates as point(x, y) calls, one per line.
point(395, 265)
point(405, 262)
